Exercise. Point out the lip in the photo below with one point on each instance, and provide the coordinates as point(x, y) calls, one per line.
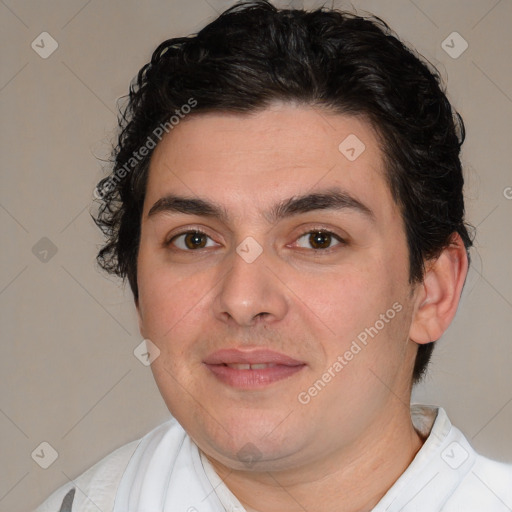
point(282, 367)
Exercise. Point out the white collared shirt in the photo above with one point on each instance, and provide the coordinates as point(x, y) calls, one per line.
point(166, 472)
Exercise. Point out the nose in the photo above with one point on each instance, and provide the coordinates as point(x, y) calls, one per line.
point(250, 293)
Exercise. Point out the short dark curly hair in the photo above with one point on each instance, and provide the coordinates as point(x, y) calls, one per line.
point(255, 54)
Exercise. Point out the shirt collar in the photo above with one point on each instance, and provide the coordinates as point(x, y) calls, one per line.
point(428, 482)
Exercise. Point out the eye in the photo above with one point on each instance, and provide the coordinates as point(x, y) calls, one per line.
point(191, 240)
point(318, 240)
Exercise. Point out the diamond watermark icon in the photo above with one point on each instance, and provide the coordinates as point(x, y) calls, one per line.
point(44, 250)
point(146, 352)
point(45, 455)
point(351, 147)
point(454, 45)
point(249, 249)
point(249, 454)
point(454, 455)
point(44, 45)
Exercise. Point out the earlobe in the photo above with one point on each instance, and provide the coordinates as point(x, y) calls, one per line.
point(438, 295)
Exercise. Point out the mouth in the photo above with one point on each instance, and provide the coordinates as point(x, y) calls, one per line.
point(253, 369)
point(256, 366)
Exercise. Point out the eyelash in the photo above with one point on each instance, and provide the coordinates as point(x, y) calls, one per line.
point(309, 232)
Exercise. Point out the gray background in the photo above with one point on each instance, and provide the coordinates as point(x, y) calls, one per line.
point(69, 376)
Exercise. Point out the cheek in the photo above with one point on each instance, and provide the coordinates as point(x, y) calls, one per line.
point(350, 298)
point(167, 299)
point(363, 302)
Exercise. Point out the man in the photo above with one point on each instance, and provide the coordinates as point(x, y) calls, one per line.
point(286, 204)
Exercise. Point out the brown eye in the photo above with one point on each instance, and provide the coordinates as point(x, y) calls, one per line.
point(191, 240)
point(195, 240)
point(318, 240)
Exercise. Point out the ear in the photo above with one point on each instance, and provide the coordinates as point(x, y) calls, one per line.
point(140, 318)
point(438, 295)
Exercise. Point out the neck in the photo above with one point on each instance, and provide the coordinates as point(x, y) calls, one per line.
point(352, 479)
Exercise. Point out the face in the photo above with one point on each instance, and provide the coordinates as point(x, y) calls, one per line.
point(273, 278)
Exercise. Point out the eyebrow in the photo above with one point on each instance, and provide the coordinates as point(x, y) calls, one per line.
point(332, 199)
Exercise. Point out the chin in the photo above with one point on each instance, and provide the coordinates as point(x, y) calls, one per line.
point(251, 443)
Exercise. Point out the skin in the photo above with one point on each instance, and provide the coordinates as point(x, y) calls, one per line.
point(352, 440)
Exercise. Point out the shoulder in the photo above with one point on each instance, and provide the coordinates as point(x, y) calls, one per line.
point(487, 486)
point(96, 488)
point(457, 477)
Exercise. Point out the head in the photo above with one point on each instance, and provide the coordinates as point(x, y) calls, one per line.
point(246, 116)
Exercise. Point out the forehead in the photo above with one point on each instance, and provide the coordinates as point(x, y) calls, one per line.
point(254, 160)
